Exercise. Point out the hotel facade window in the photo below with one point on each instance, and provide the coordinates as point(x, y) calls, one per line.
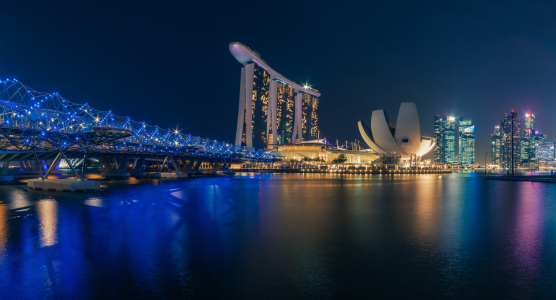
point(261, 81)
point(310, 117)
point(285, 113)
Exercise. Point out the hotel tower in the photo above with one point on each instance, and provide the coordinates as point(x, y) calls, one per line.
point(272, 109)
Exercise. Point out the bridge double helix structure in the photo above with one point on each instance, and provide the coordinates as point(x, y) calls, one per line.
point(38, 126)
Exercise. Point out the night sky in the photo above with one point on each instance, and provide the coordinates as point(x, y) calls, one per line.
point(169, 64)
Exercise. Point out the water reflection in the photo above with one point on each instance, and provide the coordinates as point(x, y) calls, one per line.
point(527, 245)
point(427, 208)
point(47, 212)
point(4, 212)
point(282, 236)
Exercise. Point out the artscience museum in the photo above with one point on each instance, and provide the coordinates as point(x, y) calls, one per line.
point(403, 140)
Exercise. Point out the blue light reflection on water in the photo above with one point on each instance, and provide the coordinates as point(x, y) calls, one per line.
point(282, 236)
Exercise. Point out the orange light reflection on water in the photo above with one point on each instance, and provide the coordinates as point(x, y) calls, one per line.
point(4, 213)
point(47, 212)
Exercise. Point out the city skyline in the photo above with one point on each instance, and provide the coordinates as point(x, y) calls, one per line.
point(530, 145)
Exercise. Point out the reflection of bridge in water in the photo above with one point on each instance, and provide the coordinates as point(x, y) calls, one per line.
point(41, 129)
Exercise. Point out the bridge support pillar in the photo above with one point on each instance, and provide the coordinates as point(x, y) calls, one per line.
point(5, 168)
point(118, 171)
point(122, 164)
point(106, 165)
point(189, 166)
point(4, 172)
point(138, 165)
point(198, 165)
point(137, 170)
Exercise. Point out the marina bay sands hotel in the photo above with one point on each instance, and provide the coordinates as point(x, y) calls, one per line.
point(273, 110)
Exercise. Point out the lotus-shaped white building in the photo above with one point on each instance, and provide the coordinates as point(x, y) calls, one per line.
point(404, 140)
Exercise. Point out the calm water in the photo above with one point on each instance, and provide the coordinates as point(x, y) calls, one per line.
point(282, 236)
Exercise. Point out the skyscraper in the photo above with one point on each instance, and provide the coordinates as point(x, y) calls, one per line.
point(310, 117)
point(544, 153)
point(506, 145)
point(272, 109)
point(445, 135)
point(466, 142)
point(526, 145)
point(496, 144)
point(529, 122)
point(439, 137)
point(285, 113)
point(531, 137)
point(450, 140)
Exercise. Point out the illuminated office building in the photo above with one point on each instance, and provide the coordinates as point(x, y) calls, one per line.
point(445, 134)
point(496, 144)
point(466, 142)
point(544, 153)
point(531, 137)
point(450, 140)
point(506, 144)
point(529, 122)
point(272, 109)
point(439, 136)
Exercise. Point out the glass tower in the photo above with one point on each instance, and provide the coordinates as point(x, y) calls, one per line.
point(531, 137)
point(439, 157)
point(450, 140)
point(496, 143)
point(544, 152)
point(445, 134)
point(529, 122)
point(506, 145)
point(466, 142)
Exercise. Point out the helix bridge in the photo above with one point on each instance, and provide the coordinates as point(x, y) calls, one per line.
point(41, 126)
